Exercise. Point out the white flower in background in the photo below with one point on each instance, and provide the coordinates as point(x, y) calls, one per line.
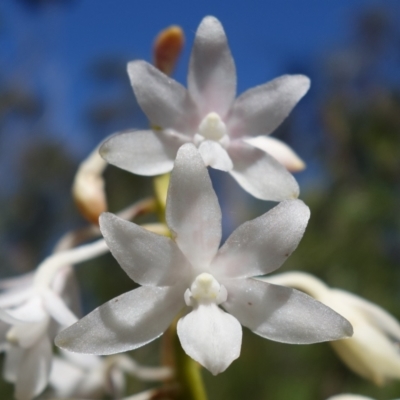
point(88, 376)
point(350, 397)
point(189, 269)
point(30, 321)
point(33, 309)
point(230, 134)
point(373, 351)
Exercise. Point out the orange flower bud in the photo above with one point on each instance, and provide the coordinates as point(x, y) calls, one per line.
point(167, 48)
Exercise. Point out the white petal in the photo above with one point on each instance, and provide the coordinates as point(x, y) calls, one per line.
point(349, 397)
point(15, 297)
point(26, 335)
point(211, 337)
point(16, 282)
point(260, 110)
point(13, 359)
point(165, 101)
point(84, 361)
point(58, 309)
point(283, 314)
point(260, 174)
point(9, 319)
point(34, 370)
point(149, 259)
point(193, 213)
point(370, 353)
point(142, 152)
point(262, 245)
point(279, 150)
point(30, 311)
point(124, 323)
point(65, 377)
point(212, 73)
point(215, 155)
point(375, 315)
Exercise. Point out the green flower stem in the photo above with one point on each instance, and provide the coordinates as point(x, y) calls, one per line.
point(188, 374)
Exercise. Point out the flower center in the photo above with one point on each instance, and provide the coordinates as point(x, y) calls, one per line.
point(212, 127)
point(205, 289)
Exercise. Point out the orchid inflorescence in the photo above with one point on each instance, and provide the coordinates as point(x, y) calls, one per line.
point(190, 285)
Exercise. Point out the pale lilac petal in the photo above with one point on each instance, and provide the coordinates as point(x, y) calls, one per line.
point(166, 102)
point(124, 323)
point(260, 110)
point(142, 152)
point(13, 357)
point(283, 314)
point(211, 337)
point(34, 370)
point(212, 73)
point(279, 150)
point(261, 174)
point(214, 155)
point(193, 213)
point(56, 307)
point(149, 259)
point(262, 245)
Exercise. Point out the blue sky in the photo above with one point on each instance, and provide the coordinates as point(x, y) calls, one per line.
point(49, 50)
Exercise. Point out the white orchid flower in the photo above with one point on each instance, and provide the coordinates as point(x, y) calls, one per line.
point(190, 270)
point(230, 134)
point(373, 351)
point(29, 335)
point(350, 397)
point(89, 376)
point(33, 308)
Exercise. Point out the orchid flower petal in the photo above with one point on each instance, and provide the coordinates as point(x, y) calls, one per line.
point(261, 174)
point(349, 397)
point(260, 110)
point(369, 353)
point(279, 150)
point(26, 335)
point(193, 213)
point(283, 314)
point(375, 315)
point(215, 155)
point(125, 322)
point(17, 282)
point(262, 245)
point(15, 296)
point(212, 72)
point(30, 311)
point(165, 101)
point(56, 307)
point(13, 359)
point(142, 152)
point(211, 337)
point(65, 377)
point(148, 259)
point(34, 370)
